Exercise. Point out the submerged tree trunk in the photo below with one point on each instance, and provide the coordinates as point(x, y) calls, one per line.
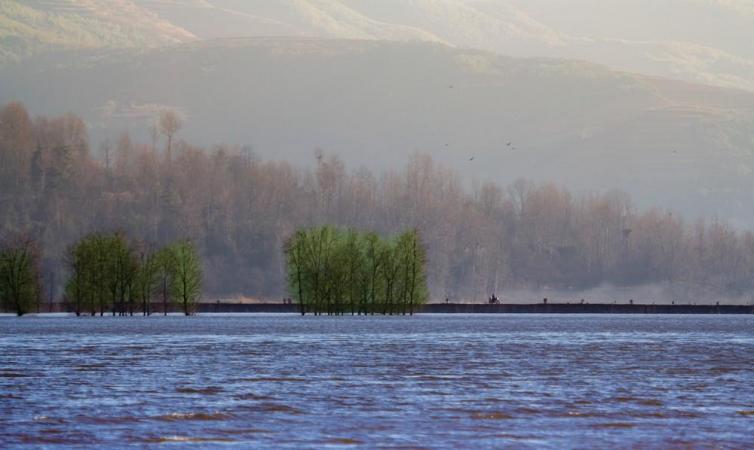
point(164, 296)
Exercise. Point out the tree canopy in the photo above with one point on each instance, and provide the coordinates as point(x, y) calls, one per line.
point(335, 271)
point(110, 273)
point(20, 280)
point(186, 275)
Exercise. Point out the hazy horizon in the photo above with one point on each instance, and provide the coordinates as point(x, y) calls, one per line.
point(654, 100)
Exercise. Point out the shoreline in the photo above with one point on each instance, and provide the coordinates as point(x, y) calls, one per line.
point(534, 308)
point(455, 308)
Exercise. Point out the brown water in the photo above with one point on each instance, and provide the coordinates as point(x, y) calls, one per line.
point(445, 381)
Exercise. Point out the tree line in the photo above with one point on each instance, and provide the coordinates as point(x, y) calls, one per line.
point(334, 271)
point(239, 210)
point(110, 274)
point(107, 273)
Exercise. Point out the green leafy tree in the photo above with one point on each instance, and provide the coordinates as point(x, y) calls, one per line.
point(354, 266)
point(319, 268)
point(391, 267)
point(102, 269)
point(87, 286)
point(373, 286)
point(20, 280)
point(297, 270)
point(334, 271)
point(120, 268)
point(147, 277)
point(165, 261)
point(186, 275)
point(75, 288)
point(106, 271)
point(413, 264)
point(78, 289)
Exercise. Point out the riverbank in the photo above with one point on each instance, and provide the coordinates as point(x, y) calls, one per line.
point(539, 308)
point(468, 308)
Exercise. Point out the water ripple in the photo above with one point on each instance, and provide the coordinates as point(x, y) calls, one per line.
point(284, 381)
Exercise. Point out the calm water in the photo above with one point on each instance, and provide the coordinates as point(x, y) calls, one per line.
point(427, 381)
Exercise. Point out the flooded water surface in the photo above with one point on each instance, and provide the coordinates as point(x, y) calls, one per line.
point(447, 381)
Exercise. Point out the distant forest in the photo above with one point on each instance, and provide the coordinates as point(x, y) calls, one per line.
point(239, 210)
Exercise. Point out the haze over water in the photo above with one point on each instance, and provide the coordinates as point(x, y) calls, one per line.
point(283, 381)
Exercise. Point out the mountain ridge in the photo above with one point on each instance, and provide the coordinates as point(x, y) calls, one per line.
point(628, 35)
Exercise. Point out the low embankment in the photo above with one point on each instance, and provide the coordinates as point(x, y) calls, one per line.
point(539, 308)
point(469, 308)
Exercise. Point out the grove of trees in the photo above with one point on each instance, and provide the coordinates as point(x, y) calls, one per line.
point(110, 274)
point(240, 210)
point(336, 271)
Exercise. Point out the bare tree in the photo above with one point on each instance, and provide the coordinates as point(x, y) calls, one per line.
point(170, 124)
point(154, 134)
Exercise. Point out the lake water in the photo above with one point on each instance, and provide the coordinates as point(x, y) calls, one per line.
point(447, 381)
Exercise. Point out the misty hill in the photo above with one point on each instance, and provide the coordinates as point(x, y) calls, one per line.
point(30, 27)
point(706, 41)
point(669, 143)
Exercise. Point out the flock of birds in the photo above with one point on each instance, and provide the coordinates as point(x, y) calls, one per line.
point(509, 145)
